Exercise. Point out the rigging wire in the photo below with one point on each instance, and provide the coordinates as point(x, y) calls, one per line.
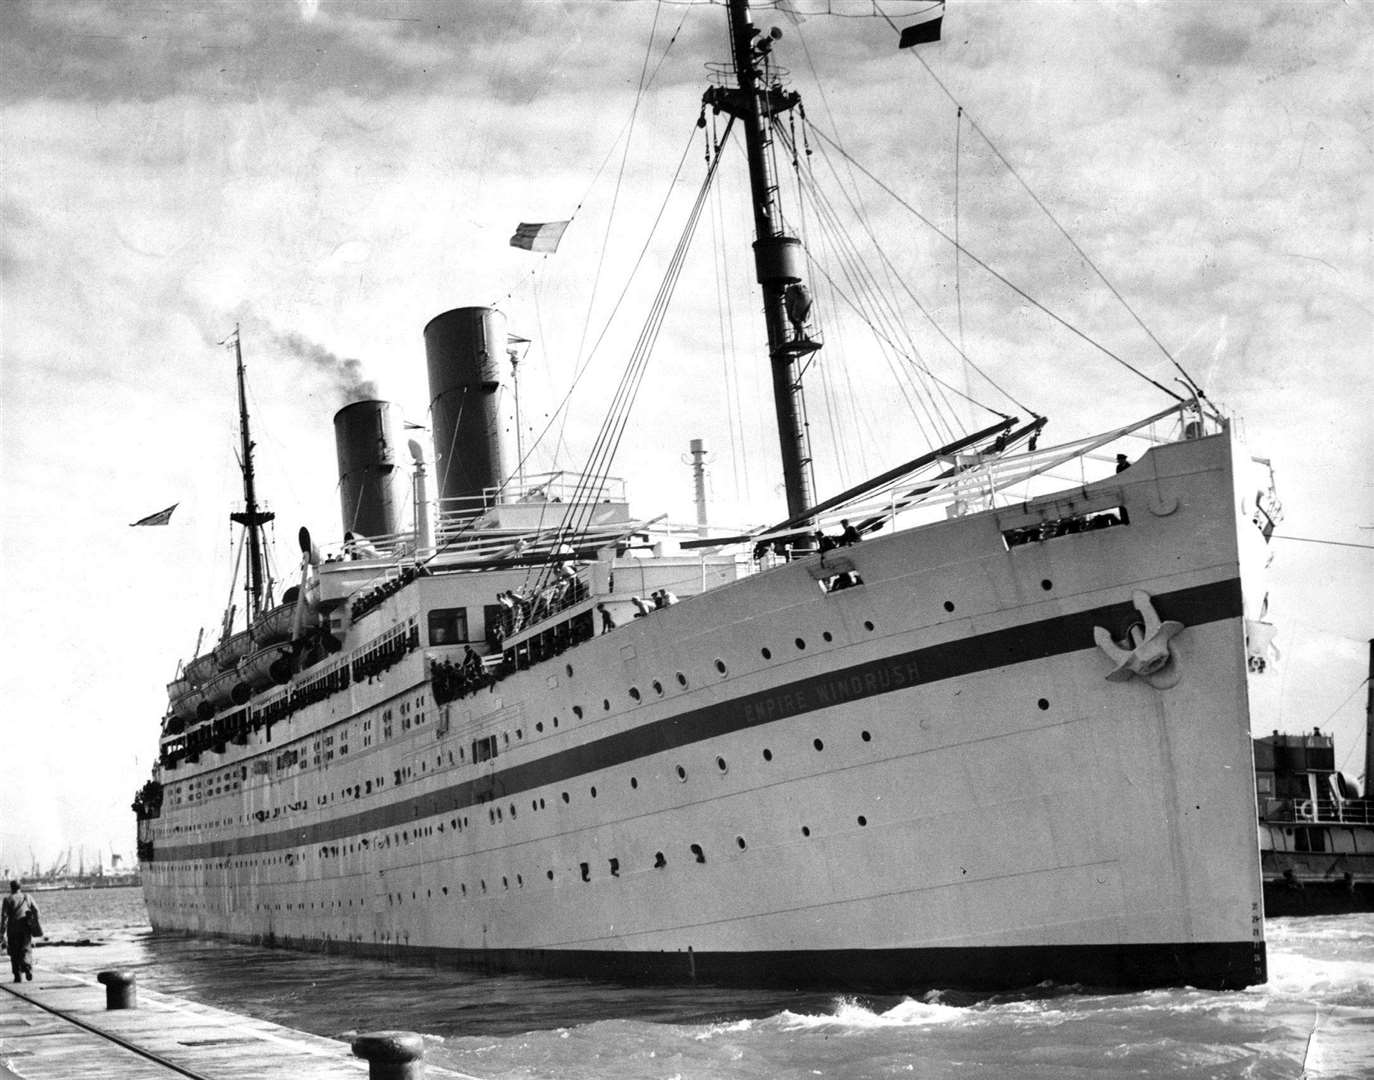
point(725, 317)
point(938, 328)
point(829, 215)
point(581, 505)
point(1002, 277)
point(1192, 384)
point(863, 283)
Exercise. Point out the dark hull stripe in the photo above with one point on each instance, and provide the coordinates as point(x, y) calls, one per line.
point(982, 652)
point(1221, 965)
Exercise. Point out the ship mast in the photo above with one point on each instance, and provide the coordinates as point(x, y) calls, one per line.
point(777, 257)
point(251, 518)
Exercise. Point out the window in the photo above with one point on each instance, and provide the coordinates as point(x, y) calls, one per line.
point(448, 626)
point(484, 749)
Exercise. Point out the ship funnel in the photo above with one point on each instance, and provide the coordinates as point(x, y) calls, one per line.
point(371, 487)
point(464, 349)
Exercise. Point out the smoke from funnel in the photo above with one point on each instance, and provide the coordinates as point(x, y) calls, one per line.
point(346, 373)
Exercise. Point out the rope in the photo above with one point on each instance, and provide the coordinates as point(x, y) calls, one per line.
point(1001, 277)
point(1331, 543)
point(1053, 220)
point(940, 330)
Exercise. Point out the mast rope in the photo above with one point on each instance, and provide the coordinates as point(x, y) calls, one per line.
point(843, 235)
point(999, 276)
point(581, 505)
point(863, 283)
point(915, 54)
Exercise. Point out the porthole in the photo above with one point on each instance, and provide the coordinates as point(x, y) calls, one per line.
point(800, 643)
point(593, 792)
point(868, 624)
point(767, 754)
point(565, 797)
point(767, 653)
point(1042, 704)
point(568, 669)
point(862, 821)
point(658, 687)
point(1046, 584)
point(681, 679)
point(949, 605)
point(634, 693)
point(555, 721)
point(806, 830)
point(577, 711)
point(539, 726)
point(720, 665)
point(827, 636)
point(740, 841)
point(548, 874)
point(720, 764)
point(698, 854)
point(818, 744)
point(634, 782)
point(605, 704)
point(865, 736)
point(681, 774)
point(660, 861)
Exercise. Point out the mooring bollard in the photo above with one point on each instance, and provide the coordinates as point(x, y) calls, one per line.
point(121, 990)
point(391, 1055)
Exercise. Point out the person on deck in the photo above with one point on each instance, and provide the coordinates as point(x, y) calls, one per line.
point(607, 623)
point(850, 534)
point(18, 913)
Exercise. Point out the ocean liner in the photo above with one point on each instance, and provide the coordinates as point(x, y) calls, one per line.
point(931, 731)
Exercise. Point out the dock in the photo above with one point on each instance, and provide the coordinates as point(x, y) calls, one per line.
point(57, 1027)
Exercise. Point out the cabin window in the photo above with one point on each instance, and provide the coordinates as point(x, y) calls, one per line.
point(448, 626)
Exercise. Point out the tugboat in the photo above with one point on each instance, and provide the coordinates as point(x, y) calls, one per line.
point(1316, 830)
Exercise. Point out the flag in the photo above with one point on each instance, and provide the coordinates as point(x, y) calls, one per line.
point(538, 237)
point(922, 33)
point(160, 518)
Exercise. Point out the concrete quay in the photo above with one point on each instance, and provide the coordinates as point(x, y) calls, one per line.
point(58, 1027)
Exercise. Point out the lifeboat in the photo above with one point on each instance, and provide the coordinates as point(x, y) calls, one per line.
point(259, 670)
point(215, 694)
point(275, 625)
point(268, 628)
point(181, 698)
point(200, 670)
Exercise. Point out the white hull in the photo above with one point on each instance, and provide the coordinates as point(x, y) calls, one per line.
point(928, 779)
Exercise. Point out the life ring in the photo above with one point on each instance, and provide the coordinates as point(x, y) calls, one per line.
point(1305, 811)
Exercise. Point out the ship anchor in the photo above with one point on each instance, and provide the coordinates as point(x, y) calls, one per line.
point(1149, 656)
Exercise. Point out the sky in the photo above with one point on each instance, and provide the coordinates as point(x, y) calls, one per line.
point(330, 176)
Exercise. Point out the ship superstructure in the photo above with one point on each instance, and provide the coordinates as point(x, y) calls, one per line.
point(1006, 745)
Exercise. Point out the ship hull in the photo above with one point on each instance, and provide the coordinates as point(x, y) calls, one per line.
point(927, 780)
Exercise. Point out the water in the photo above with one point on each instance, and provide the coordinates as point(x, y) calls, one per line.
point(1315, 1017)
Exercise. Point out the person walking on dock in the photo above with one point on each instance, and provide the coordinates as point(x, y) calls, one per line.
point(18, 927)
